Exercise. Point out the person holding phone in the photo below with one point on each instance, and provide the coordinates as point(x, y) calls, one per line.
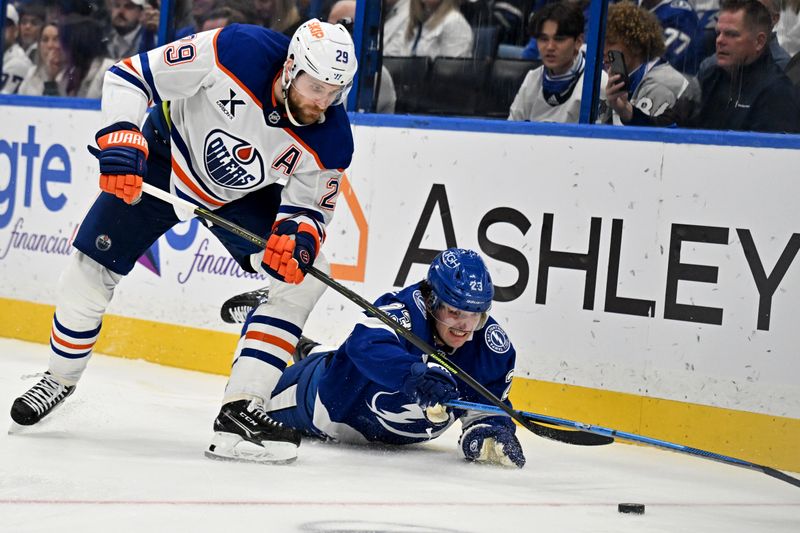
point(638, 74)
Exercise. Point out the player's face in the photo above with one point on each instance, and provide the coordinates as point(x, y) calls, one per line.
point(454, 326)
point(309, 97)
point(557, 51)
point(736, 44)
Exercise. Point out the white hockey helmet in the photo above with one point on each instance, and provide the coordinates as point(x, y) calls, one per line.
point(325, 52)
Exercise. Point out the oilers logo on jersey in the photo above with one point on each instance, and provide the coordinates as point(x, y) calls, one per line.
point(232, 162)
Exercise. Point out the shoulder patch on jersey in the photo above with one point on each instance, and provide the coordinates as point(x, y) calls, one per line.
point(232, 162)
point(497, 339)
point(419, 300)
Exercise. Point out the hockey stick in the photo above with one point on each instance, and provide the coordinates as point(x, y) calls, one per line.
point(568, 436)
point(600, 430)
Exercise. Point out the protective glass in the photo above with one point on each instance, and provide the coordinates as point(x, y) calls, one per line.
point(321, 93)
point(455, 318)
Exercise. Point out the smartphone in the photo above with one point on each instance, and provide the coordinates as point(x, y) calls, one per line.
point(616, 65)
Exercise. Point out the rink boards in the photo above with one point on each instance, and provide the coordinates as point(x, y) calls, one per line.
point(647, 283)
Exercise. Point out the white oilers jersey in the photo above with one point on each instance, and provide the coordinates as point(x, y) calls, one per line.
point(228, 135)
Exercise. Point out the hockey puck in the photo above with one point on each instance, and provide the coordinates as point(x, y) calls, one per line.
point(631, 508)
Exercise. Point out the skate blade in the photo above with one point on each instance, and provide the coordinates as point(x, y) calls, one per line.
point(17, 429)
point(242, 459)
point(231, 447)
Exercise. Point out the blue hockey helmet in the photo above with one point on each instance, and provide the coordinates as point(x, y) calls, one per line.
point(459, 278)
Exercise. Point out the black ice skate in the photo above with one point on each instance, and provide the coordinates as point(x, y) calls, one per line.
point(244, 432)
point(303, 348)
point(39, 401)
point(236, 308)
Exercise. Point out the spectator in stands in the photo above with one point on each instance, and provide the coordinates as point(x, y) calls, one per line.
point(43, 78)
point(246, 7)
point(15, 63)
point(127, 36)
point(85, 55)
point(681, 37)
point(282, 16)
point(436, 28)
point(552, 92)
point(151, 19)
point(654, 85)
point(31, 20)
point(344, 12)
point(219, 17)
point(395, 21)
point(199, 11)
point(746, 90)
point(788, 27)
point(780, 55)
point(510, 17)
point(530, 50)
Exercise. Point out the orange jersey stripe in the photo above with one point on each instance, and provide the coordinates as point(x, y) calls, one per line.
point(231, 75)
point(189, 183)
point(271, 339)
point(129, 64)
point(66, 344)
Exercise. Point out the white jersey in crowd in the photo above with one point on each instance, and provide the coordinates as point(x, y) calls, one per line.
point(530, 104)
point(229, 136)
point(15, 66)
point(451, 37)
point(788, 30)
point(394, 27)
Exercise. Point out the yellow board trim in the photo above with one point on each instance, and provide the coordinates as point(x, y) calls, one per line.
point(131, 338)
point(762, 439)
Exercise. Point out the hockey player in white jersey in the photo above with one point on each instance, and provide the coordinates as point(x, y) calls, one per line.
point(234, 111)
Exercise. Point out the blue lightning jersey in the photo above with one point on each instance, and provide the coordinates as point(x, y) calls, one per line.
point(680, 24)
point(353, 394)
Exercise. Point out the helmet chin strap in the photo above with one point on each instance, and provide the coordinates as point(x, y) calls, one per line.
point(285, 89)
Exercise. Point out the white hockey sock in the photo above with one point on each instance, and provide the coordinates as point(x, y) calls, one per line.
point(271, 336)
point(85, 290)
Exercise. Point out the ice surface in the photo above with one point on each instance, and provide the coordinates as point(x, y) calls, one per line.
point(125, 453)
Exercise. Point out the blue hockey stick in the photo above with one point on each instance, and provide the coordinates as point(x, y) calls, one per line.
point(613, 433)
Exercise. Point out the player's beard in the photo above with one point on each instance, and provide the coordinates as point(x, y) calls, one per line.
point(303, 113)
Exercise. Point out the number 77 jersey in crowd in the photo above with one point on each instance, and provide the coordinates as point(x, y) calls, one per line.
point(228, 135)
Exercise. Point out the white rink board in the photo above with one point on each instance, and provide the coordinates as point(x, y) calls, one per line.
point(649, 187)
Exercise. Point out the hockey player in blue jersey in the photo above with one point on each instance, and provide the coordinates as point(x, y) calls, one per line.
point(234, 111)
point(375, 388)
